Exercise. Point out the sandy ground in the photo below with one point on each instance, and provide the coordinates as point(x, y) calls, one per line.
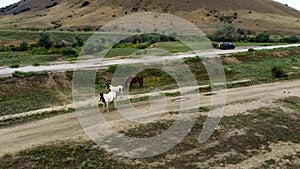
point(67, 127)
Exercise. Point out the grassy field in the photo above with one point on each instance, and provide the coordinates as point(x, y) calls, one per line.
point(17, 35)
point(237, 139)
point(49, 91)
point(20, 95)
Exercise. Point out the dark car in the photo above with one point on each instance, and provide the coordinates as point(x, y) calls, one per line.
point(226, 45)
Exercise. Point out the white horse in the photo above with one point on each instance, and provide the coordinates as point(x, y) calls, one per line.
point(117, 89)
point(105, 99)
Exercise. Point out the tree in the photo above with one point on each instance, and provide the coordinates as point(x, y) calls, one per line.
point(45, 40)
point(227, 33)
point(263, 37)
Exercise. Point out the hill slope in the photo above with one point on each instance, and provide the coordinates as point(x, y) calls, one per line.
point(257, 15)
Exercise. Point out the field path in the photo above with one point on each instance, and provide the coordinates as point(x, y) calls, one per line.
point(67, 127)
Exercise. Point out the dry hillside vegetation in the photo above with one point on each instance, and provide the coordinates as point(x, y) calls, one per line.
point(255, 15)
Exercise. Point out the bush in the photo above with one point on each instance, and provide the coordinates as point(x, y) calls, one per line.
point(24, 46)
point(15, 66)
point(19, 74)
point(277, 72)
point(112, 69)
point(85, 3)
point(36, 64)
point(293, 39)
point(70, 52)
point(87, 28)
point(251, 50)
point(77, 41)
point(45, 40)
point(226, 33)
point(263, 37)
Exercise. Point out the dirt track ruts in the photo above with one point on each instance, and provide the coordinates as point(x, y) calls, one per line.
point(67, 127)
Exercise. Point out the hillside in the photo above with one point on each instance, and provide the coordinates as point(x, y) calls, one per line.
point(257, 15)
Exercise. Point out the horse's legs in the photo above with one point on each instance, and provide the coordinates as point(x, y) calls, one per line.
point(107, 106)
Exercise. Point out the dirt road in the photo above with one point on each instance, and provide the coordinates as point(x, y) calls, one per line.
point(67, 127)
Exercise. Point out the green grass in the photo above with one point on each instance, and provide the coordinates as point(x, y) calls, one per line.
point(172, 47)
point(27, 101)
point(12, 35)
point(241, 44)
point(33, 91)
point(114, 52)
point(24, 58)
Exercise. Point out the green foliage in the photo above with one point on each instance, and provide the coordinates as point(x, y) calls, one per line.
point(45, 40)
point(39, 51)
point(88, 28)
point(226, 33)
point(23, 46)
point(290, 39)
point(77, 41)
point(69, 52)
point(277, 72)
point(263, 37)
point(112, 68)
point(36, 64)
point(20, 74)
point(15, 66)
point(251, 50)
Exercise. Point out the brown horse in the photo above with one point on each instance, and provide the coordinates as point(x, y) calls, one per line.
point(132, 80)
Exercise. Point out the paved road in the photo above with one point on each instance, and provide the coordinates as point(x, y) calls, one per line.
point(103, 63)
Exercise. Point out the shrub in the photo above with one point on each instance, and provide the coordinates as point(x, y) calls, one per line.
point(277, 72)
point(293, 39)
point(36, 64)
point(19, 74)
point(70, 52)
point(112, 69)
point(226, 33)
point(24, 46)
point(251, 50)
point(85, 3)
point(15, 66)
point(87, 28)
point(263, 37)
point(45, 40)
point(77, 41)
